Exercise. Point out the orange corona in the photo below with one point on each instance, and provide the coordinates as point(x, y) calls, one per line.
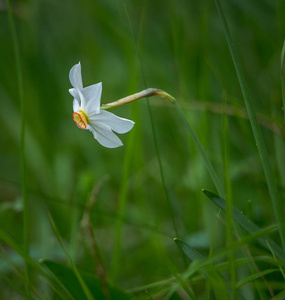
point(80, 119)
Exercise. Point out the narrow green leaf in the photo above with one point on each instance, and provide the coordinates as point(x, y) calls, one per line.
point(223, 252)
point(87, 293)
point(205, 263)
point(280, 296)
point(219, 284)
point(201, 150)
point(19, 81)
point(6, 280)
point(278, 205)
point(122, 204)
point(247, 224)
point(282, 77)
point(229, 202)
point(255, 276)
point(66, 276)
point(282, 53)
point(5, 238)
point(189, 251)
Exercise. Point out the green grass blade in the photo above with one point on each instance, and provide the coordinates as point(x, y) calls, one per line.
point(161, 171)
point(255, 276)
point(199, 264)
point(229, 204)
point(272, 187)
point(280, 296)
point(6, 280)
point(282, 70)
point(247, 224)
point(235, 246)
point(83, 285)
point(207, 162)
point(66, 276)
point(220, 289)
point(189, 251)
point(211, 251)
point(22, 148)
point(157, 284)
point(122, 202)
point(5, 238)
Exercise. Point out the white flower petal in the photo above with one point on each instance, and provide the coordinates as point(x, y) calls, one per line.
point(92, 96)
point(117, 124)
point(81, 99)
point(105, 136)
point(75, 77)
point(73, 92)
point(76, 105)
point(100, 123)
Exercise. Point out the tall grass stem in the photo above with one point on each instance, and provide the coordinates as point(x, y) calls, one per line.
point(207, 162)
point(153, 131)
point(272, 187)
point(82, 283)
point(282, 79)
point(22, 147)
point(228, 198)
point(170, 206)
point(122, 202)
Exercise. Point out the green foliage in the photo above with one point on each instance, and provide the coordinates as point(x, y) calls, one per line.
point(102, 221)
point(68, 279)
point(248, 225)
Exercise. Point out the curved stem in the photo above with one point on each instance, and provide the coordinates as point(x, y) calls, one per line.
point(156, 92)
point(143, 94)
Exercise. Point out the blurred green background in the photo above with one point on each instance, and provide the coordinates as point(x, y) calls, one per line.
point(176, 46)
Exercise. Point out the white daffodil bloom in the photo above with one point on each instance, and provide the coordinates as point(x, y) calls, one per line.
point(88, 115)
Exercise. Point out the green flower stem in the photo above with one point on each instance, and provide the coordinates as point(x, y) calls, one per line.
point(275, 197)
point(143, 94)
point(122, 202)
point(207, 162)
point(23, 160)
point(156, 92)
point(168, 198)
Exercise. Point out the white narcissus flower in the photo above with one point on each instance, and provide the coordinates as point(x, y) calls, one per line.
point(88, 115)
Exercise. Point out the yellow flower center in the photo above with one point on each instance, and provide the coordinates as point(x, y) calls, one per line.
point(80, 119)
